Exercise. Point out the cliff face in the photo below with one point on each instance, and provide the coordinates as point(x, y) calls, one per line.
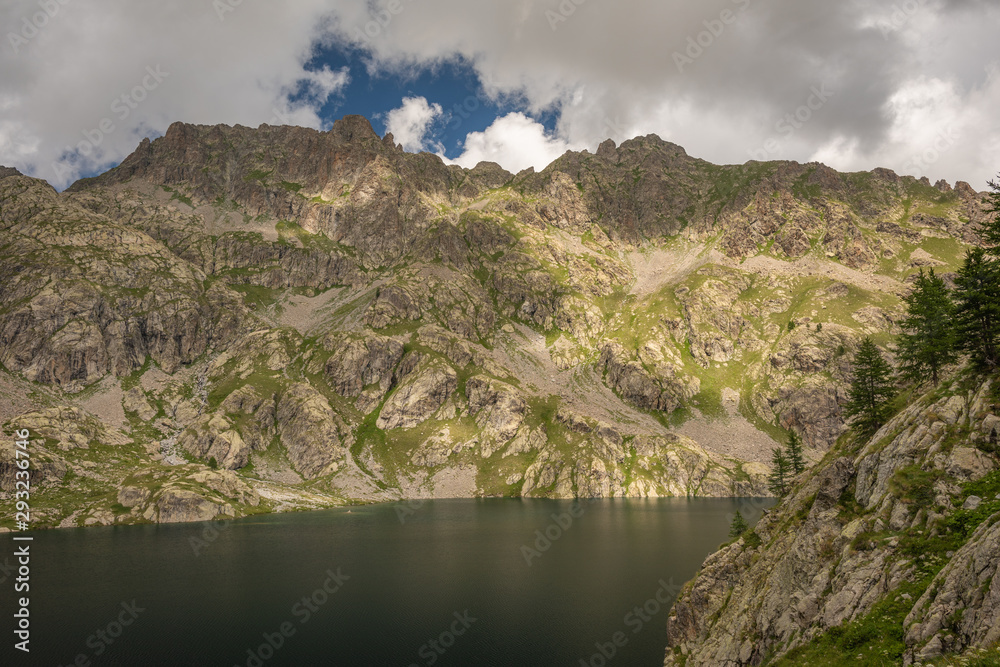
point(888, 550)
point(329, 318)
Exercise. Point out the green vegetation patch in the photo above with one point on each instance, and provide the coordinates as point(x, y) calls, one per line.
point(874, 640)
point(258, 175)
point(914, 485)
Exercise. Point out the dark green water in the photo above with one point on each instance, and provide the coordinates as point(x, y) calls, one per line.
point(451, 572)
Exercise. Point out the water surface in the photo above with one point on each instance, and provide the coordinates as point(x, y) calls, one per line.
point(446, 582)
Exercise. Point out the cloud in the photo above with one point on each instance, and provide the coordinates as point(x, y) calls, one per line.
point(409, 123)
point(515, 142)
point(78, 95)
point(716, 77)
point(320, 84)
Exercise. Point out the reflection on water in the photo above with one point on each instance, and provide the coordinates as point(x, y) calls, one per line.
point(446, 582)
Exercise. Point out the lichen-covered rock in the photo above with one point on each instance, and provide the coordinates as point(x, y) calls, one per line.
point(418, 398)
point(823, 564)
point(175, 505)
point(215, 437)
point(498, 407)
point(663, 390)
point(311, 432)
point(359, 362)
point(960, 609)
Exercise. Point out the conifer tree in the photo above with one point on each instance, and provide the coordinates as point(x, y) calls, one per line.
point(793, 452)
point(991, 229)
point(738, 526)
point(777, 482)
point(871, 390)
point(977, 309)
point(928, 339)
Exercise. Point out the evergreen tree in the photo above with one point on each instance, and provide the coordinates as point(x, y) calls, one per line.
point(777, 482)
point(793, 452)
point(871, 390)
point(738, 526)
point(928, 339)
point(991, 230)
point(977, 309)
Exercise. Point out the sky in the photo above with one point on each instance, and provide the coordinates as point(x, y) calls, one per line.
point(912, 85)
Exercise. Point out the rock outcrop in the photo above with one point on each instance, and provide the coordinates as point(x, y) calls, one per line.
point(417, 399)
point(329, 318)
point(882, 534)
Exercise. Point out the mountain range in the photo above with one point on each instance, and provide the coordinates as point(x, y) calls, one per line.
point(239, 320)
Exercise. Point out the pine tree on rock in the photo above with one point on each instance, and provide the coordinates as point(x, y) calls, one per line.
point(871, 390)
point(977, 310)
point(738, 526)
point(781, 470)
point(928, 340)
point(793, 452)
point(991, 230)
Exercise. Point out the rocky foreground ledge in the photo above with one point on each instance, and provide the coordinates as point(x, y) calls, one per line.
point(888, 551)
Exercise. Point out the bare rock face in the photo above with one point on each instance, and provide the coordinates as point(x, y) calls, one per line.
point(440, 448)
point(795, 582)
point(392, 304)
point(215, 437)
point(602, 464)
point(228, 484)
point(132, 496)
point(969, 464)
point(793, 242)
point(186, 494)
point(68, 428)
point(498, 408)
point(180, 505)
point(363, 192)
point(810, 371)
point(135, 401)
point(663, 391)
point(47, 468)
point(260, 429)
point(815, 412)
point(357, 363)
point(417, 399)
point(311, 431)
point(91, 296)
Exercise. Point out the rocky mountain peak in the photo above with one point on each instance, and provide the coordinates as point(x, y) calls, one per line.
point(353, 128)
point(9, 171)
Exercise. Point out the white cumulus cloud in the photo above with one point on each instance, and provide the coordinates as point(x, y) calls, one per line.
point(514, 141)
point(409, 123)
